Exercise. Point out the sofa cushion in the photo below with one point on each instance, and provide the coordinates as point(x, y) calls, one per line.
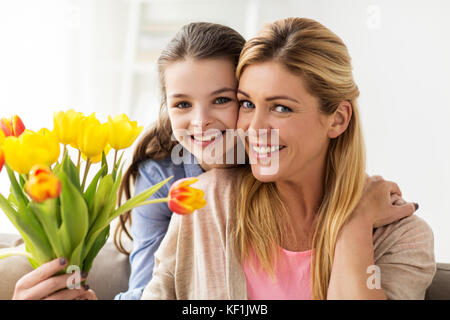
point(108, 276)
point(440, 286)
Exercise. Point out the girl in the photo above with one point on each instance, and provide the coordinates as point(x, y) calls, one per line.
point(306, 230)
point(199, 103)
point(198, 91)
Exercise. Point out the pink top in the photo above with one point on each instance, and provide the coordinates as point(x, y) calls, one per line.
point(292, 278)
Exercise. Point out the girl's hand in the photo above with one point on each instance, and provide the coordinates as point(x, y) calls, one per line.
point(42, 284)
point(381, 203)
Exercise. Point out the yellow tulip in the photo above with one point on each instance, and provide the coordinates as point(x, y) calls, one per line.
point(31, 148)
point(2, 153)
point(122, 131)
point(98, 158)
point(92, 137)
point(42, 184)
point(66, 126)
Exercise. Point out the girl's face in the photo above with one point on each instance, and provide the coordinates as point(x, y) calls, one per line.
point(271, 97)
point(202, 104)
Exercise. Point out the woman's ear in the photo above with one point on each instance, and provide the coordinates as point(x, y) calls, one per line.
point(340, 119)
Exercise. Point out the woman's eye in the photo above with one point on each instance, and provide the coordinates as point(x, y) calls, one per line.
point(182, 105)
point(246, 104)
point(282, 109)
point(222, 100)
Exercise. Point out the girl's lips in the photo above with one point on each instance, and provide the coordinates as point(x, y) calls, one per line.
point(205, 140)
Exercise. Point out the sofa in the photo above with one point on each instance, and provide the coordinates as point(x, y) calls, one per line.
point(111, 269)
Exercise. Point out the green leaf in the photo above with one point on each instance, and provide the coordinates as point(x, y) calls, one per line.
point(104, 162)
point(47, 213)
point(74, 215)
point(22, 180)
point(71, 171)
point(103, 211)
point(32, 234)
point(95, 249)
point(101, 197)
point(92, 188)
point(21, 198)
point(136, 200)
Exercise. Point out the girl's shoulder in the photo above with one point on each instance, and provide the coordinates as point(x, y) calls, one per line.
point(163, 168)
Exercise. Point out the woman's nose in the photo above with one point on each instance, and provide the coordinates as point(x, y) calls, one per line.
point(260, 129)
point(260, 123)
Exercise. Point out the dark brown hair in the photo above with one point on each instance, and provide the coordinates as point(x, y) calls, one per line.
point(198, 40)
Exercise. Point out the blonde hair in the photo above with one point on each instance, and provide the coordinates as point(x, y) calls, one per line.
point(313, 52)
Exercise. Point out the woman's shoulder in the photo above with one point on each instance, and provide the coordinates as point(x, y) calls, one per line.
point(219, 179)
point(407, 233)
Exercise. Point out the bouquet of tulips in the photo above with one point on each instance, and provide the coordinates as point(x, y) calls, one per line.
point(57, 213)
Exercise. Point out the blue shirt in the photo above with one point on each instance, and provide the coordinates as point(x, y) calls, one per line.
point(150, 222)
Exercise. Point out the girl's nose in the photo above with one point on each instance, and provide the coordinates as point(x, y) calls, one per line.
point(201, 118)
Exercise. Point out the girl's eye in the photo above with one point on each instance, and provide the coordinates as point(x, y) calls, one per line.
point(222, 100)
point(282, 109)
point(246, 104)
point(182, 105)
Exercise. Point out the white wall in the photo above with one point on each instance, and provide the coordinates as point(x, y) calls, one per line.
point(62, 54)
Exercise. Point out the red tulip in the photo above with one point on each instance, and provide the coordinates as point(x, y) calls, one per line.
point(184, 199)
point(13, 127)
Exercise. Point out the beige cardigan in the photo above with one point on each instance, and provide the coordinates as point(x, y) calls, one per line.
point(196, 259)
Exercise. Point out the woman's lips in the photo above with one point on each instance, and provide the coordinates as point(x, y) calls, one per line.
point(264, 151)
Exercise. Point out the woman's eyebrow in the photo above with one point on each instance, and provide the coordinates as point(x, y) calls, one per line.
point(271, 98)
point(281, 97)
point(242, 92)
point(222, 91)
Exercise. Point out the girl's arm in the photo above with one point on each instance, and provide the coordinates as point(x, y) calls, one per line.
point(148, 228)
point(354, 251)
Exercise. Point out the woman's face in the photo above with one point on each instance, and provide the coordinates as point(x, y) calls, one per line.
point(202, 104)
point(272, 97)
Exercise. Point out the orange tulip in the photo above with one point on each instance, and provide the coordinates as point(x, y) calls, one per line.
point(184, 199)
point(42, 184)
point(13, 127)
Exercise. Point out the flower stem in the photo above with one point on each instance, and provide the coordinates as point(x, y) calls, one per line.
point(64, 151)
point(115, 158)
point(10, 253)
point(88, 164)
point(154, 201)
point(78, 163)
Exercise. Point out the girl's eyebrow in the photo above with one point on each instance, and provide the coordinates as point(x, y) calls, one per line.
point(271, 98)
point(180, 95)
point(222, 91)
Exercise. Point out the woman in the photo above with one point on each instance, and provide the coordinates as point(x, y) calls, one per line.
point(303, 230)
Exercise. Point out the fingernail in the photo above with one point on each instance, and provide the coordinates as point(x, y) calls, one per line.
point(416, 205)
point(86, 287)
point(84, 274)
point(62, 261)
